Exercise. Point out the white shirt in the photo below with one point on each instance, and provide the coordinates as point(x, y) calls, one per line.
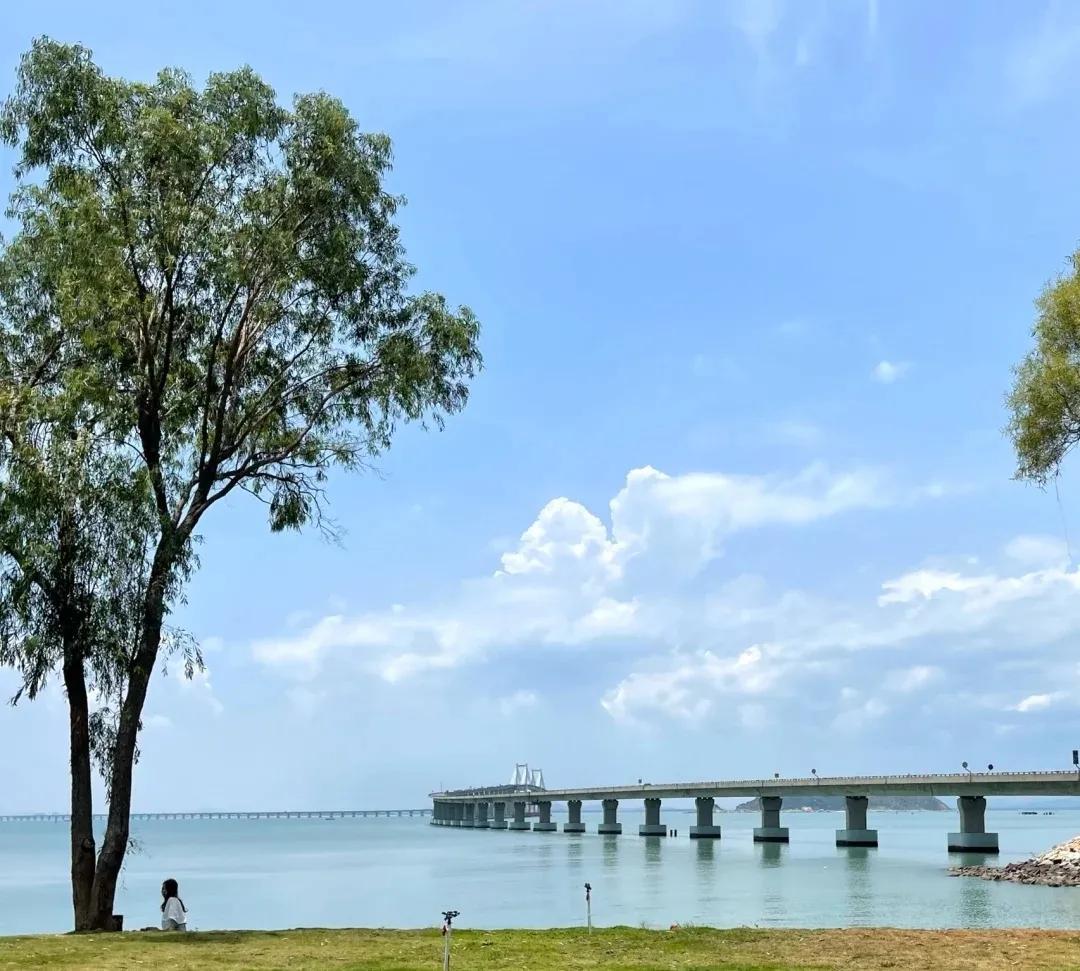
point(173, 911)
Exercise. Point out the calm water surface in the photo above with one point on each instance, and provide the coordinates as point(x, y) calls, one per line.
point(403, 872)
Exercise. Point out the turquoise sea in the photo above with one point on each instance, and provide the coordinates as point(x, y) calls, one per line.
point(381, 872)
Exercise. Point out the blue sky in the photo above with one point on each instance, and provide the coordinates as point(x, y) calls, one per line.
point(731, 496)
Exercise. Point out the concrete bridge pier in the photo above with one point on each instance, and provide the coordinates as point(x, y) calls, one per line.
point(973, 837)
point(573, 823)
point(544, 823)
point(481, 815)
point(770, 830)
point(652, 825)
point(519, 821)
point(499, 821)
point(611, 825)
point(470, 815)
point(855, 832)
point(705, 828)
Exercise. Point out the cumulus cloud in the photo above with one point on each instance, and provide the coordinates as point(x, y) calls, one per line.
point(573, 579)
point(989, 619)
point(888, 372)
point(701, 647)
point(689, 689)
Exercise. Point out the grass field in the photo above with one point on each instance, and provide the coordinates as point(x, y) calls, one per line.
point(616, 948)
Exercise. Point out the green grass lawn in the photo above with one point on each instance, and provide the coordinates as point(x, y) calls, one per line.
point(554, 950)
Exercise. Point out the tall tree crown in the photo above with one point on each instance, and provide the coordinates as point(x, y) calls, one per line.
point(1044, 403)
point(222, 280)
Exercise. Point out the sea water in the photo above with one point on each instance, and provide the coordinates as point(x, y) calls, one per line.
point(402, 872)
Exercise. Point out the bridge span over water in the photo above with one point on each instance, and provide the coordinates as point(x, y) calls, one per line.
point(485, 808)
point(266, 814)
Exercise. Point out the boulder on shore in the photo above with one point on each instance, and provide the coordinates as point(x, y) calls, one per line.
point(1059, 867)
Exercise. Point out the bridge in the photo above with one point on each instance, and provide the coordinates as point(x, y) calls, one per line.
point(469, 808)
point(276, 814)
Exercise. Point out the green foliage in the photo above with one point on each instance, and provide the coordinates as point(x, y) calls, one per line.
point(206, 292)
point(233, 275)
point(1045, 399)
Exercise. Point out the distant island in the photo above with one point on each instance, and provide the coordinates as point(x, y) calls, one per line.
point(832, 803)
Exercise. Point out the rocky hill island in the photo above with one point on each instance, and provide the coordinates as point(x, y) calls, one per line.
point(836, 803)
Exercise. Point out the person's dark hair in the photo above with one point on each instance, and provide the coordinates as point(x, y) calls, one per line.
point(170, 888)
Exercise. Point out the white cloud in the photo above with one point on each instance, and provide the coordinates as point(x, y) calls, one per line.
point(949, 623)
point(689, 689)
point(857, 711)
point(888, 372)
point(924, 584)
point(517, 702)
point(157, 722)
point(571, 579)
point(1038, 551)
point(1038, 702)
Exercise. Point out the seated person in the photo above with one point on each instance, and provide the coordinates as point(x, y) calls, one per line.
point(173, 911)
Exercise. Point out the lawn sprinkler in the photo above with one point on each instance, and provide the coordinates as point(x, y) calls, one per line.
point(447, 930)
point(588, 905)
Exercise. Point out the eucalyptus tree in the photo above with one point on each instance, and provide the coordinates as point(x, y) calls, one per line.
point(223, 281)
point(1044, 403)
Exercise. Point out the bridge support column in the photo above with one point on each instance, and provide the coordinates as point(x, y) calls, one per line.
point(481, 815)
point(973, 837)
point(573, 823)
point(470, 815)
point(611, 825)
point(770, 830)
point(855, 833)
point(499, 820)
point(652, 825)
point(518, 821)
point(437, 813)
point(705, 828)
point(544, 823)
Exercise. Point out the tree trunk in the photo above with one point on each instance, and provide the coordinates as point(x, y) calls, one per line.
point(118, 829)
point(82, 796)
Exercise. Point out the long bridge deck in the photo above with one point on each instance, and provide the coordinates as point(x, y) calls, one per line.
point(278, 814)
point(468, 808)
point(954, 784)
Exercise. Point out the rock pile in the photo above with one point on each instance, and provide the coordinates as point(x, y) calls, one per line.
point(1059, 867)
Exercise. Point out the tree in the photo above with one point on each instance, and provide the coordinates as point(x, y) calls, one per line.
point(1044, 403)
point(206, 294)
